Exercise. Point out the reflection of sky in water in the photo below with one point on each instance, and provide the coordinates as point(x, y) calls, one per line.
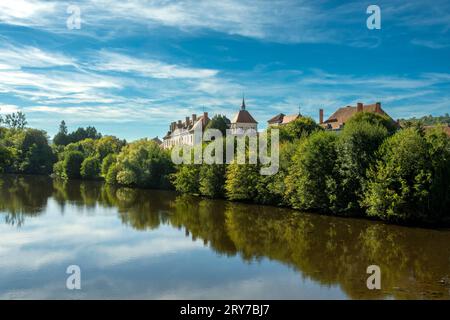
point(119, 262)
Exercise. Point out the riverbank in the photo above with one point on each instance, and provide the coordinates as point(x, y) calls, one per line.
point(369, 169)
point(440, 226)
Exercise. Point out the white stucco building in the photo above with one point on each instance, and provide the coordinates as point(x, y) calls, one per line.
point(182, 132)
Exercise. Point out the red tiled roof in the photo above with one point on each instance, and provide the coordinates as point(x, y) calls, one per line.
point(281, 118)
point(277, 119)
point(342, 115)
point(243, 116)
point(290, 118)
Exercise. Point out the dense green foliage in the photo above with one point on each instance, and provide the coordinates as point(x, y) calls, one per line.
point(212, 180)
point(25, 151)
point(299, 128)
point(426, 120)
point(312, 171)
point(410, 181)
point(355, 152)
point(90, 168)
point(93, 153)
point(370, 168)
point(107, 162)
point(186, 178)
point(375, 119)
point(219, 122)
point(64, 138)
point(71, 165)
point(143, 163)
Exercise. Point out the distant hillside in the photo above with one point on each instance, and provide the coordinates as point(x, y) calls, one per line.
point(428, 120)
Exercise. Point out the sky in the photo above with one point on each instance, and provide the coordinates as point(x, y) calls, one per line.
point(135, 66)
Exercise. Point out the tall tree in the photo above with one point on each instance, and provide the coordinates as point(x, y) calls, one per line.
point(61, 137)
point(219, 122)
point(16, 120)
point(399, 184)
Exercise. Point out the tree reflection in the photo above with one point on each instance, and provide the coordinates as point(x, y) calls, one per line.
point(331, 251)
point(22, 196)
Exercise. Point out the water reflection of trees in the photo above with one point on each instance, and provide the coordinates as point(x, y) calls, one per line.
point(338, 251)
point(22, 196)
point(331, 251)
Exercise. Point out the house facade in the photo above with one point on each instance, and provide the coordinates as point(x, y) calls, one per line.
point(182, 132)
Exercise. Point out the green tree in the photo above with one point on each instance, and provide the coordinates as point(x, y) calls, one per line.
point(301, 127)
point(375, 119)
point(16, 120)
point(312, 172)
point(399, 184)
point(61, 138)
point(212, 180)
point(143, 163)
point(271, 189)
point(72, 165)
point(107, 162)
point(356, 148)
point(439, 150)
point(6, 159)
point(83, 133)
point(427, 120)
point(186, 178)
point(108, 145)
point(35, 156)
point(111, 176)
point(90, 168)
point(87, 147)
point(219, 122)
point(241, 181)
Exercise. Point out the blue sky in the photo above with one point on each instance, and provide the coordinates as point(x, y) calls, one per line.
point(135, 66)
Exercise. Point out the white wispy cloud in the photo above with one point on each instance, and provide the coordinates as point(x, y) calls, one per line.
point(17, 57)
point(111, 61)
point(26, 12)
point(286, 21)
point(275, 20)
point(8, 108)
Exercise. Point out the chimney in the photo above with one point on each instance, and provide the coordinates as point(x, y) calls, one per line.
point(378, 107)
point(179, 124)
point(172, 126)
point(194, 118)
point(320, 116)
point(187, 121)
point(205, 116)
point(359, 107)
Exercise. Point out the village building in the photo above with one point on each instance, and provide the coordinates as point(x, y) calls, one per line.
point(338, 119)
point(182, 132)
point(243, 121)
point(282, 119)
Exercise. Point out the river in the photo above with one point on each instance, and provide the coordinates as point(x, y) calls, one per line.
point(151, 244)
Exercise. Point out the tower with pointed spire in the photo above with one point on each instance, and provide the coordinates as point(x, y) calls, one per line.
point(243, 121)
